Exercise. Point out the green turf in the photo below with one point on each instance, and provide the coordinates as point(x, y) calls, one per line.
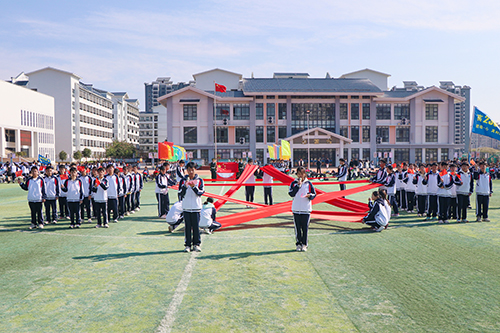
point(414, 277)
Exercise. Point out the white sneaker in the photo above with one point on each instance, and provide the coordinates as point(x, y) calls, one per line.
point(441, 221)
point(379, 229)
point(458, 220)
point(106, 226)
point(446, 221)
point(40, 226)
point(98, 226)
point(127, 214)
point(187, 249)
point(486, 220)
point(197, 248)
point(32, 226)
point(208, 231)
point(163, 216)
point(478, 219)
point(137, 209)
point(132, 212)
point(304, 248)
point(170, 228)
point(89, 220)
point(115, 221)
point(299, 248)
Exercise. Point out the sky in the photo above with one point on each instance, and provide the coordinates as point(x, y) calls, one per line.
point(118, 46)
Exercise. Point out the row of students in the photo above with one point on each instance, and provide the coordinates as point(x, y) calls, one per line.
point(80, 192)
point(440, 193)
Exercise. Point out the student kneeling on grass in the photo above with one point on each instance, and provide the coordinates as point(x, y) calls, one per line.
point(36, 195)
point(175, 216)
point(302, 191)
point(207, 217)
point(380, 212)
point(191, 189)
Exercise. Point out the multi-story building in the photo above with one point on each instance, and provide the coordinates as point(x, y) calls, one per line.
point(347, 117)
point(152, 128)
point(85, 117)
point(462, 113)
point(26, 121)
point(160, 87)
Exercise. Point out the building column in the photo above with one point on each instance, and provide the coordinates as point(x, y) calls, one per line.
point(412, 155)
point(18, 140)
point(210, 112)
point(2, 142)
point(337, 114)
point(373, 128)
point(451, 120)
point(341, 149)
point(288, 116)
point(253, 135)
point(34, 145)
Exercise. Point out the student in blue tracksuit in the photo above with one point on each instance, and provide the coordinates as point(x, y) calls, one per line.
point(73, 187)
point(191, 188)
point(36, 196)
point(302, 191)
point(484, 190)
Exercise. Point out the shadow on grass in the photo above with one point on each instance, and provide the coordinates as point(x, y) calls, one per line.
point(160, 233)
point(242, 255)
point(104, 257)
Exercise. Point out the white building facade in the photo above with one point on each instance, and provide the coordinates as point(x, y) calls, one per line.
point(26, 122)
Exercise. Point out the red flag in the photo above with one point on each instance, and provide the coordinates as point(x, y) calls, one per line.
point(225, 112)
point(220, 88)
point(19, 173)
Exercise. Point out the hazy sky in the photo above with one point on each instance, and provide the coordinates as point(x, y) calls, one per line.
point(118, 46)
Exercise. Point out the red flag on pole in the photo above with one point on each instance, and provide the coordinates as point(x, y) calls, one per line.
point(220, 88)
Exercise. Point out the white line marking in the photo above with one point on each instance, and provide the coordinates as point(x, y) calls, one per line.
point(168, 320)
point(222, 189)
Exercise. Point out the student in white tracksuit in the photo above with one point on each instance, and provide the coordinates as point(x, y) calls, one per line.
point(73, 187)
point(302, 191)
point(36, 195)
point(379, 215)
point(268, 190)
point(207, 217)
point(175, 216)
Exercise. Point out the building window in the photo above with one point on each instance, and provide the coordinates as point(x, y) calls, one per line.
point(344, 131)
point(241, 111)
point(354, 153)
point(401, 155)
point(431, 155)
point(383, 132)
point(259, 155)
point(259, 111)
point(445, 154)
point(271, 134)
point(401, 111)
point(204, 155)
point(224, 154)
point(366, 111)
point(431, 112)
point(418, 155)
point(10, 135)
point(321, 115)
point(402, 134)
point(222, 111)
point(343, 111)
point(383, 111)
point(431, 134)
point(366, 133)
point(281, 132)
point(282, 111)
point(366, 154)
point(222, 135)
point(271, 109)
point(190, 111)
point(355, 134)
point(354, 111)
point(259, 133)
point(346, 153)
point(242, 132)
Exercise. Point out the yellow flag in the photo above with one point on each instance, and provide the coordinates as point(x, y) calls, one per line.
point(286, 152)
point(270, 149)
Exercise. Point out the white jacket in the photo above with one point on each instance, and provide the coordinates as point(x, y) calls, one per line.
point(175, 213)
point(207, 215)
point(100, 188)
point(191, 196)
point(51, 187)
point(301, 204)
point(35, 188)
point(73, 190)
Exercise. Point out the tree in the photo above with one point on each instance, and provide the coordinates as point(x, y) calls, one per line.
point(77, 155)
point(120, 149)
point(63, 155)
point(86, 153)
point(21, 153)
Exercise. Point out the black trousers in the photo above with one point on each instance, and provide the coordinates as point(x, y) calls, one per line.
point(192, 225)
point(121, 206)
point(36, 212)
point(113, 206)
point(373, 224)
point(398, 197)
point(393, 203)
point(432, 205)
point(92, 201)
point(138, 199)
point(444, 207)
point(421, 203)
point(74, 212)
point(50, 205)
point(128, 205)
point(249, 193)
point(214, 226)
point(463, 203)
point(85, 207)
point(213, 174)
point(268, 194)
point(402, 198)
point(342, 187)
point(163, 204)
point(301, 222)
point(482, 203)
point(132, 201)
point(410, 200)
point(452, 213)
point(63, 207)
point(101, 210)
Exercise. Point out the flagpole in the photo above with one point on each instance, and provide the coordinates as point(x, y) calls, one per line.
point(215, 122)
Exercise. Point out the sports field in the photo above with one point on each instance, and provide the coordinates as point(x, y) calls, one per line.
point(133, 277)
